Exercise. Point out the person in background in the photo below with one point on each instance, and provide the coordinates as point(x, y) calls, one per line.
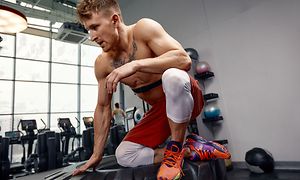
point(118, 115)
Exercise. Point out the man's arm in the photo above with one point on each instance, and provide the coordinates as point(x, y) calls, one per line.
point(102, 118)
point(124, 114)
point(169, 52)
point(113, 112)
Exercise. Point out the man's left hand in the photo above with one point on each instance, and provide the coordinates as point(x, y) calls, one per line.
point(117, 74)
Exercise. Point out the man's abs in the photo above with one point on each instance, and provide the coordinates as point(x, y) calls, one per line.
point(139, 80)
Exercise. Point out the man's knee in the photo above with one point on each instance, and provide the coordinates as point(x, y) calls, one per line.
point(179, 100)
point(130, 154)
point(175, 80)
point(121, 155)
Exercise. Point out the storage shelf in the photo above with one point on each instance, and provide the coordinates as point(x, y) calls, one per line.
point(223, 141)
point(210, 96)
point(205, 75)
point(214, 119)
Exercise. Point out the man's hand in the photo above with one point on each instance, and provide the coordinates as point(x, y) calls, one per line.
point(117, 74)
point(92, 162)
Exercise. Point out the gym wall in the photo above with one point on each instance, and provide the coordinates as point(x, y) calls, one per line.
point(252, 47)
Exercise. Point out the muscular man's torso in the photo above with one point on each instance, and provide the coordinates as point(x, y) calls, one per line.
point(138, 50)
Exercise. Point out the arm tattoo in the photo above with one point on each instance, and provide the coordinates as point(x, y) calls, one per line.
point(119, 62)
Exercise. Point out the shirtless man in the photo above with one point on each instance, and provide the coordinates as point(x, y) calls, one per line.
point(147, 59)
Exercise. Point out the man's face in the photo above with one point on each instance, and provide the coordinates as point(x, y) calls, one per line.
point(102, 30)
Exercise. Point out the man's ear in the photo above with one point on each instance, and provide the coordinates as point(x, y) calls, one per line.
point(115, 19)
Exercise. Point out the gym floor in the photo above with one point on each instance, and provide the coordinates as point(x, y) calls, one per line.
point(245, 174)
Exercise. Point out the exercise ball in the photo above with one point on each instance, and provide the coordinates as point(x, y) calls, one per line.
point(138, 115)
point(202, 67)
point(211, 111)
point(192, 53)
point(259, 160)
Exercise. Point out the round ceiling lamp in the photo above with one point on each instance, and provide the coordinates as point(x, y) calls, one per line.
point(11, 20)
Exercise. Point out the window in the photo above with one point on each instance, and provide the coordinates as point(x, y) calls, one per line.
point(6, 68)
point(31, 97)
point(5, 124)
point(7, 46)
point(6, 95)
point(64, 73)
point(88, 99)
point(89, 54)
point(88, 76)
point(33, 47)
point(64, 98)
point(32, 70)
point(64, 52)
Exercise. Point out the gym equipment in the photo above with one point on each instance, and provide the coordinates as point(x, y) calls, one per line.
point(34, 161)
point(109, 169)
point(48, 151)
point(28, 126)
point(15, 138)
point(138, 115)
point(202, 67)
point(67, 131)
point(133, 116)
point(116, 135)
point(88, 122)
point(211, 111)
point(259, 160)
point(4, 161)
point(193, 127)
point(87, 143)
point(88, 139)
point(192, 53)
point(129, 120)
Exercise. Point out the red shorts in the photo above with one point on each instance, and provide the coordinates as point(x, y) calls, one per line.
point(154, 128)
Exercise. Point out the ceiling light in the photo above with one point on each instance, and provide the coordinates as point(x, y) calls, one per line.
point(11, 20)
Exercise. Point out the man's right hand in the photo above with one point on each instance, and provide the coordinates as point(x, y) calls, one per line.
point(92, 162)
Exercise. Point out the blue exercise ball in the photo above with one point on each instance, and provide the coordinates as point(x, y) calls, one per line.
point(211, 111)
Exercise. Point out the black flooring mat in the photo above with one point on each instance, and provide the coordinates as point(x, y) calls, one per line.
point(245, 174)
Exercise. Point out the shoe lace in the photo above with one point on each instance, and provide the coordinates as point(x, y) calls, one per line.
point(171, 157)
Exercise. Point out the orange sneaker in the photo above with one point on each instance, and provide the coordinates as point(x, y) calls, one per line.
point(205, 150)
point(170, 168)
